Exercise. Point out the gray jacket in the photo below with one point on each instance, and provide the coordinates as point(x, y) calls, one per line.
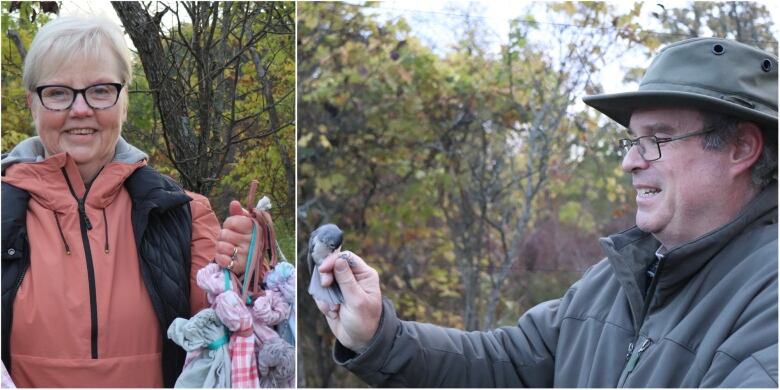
point(708, 318)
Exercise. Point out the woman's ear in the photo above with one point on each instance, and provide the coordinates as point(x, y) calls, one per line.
point(747, 147)
point(30, 104)
point(126, 108)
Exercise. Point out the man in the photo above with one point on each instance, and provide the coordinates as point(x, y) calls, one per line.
point(687, 298)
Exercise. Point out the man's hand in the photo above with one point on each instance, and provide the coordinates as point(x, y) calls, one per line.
point(234, 237)
point(355, 321)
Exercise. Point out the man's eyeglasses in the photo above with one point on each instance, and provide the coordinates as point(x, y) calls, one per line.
point(650, 145)
point(61, 97)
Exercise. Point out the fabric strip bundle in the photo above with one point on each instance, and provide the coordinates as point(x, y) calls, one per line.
point(7, 382)
point(282, 280)
point(237, 318)
point(236, 342)
point(206, 341)
point(275, 356)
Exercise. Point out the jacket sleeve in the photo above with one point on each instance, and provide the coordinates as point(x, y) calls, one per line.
point(412, 354)
point(735, 365)
point(205, 230)
point(757, 371)
point(748, 356)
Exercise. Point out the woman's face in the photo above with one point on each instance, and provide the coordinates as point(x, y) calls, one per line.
point(88, 135)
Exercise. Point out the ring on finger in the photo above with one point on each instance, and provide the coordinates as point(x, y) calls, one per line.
point(232, 258)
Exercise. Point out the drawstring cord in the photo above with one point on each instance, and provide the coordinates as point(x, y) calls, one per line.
point(65, 242)
point(59, 227)
point(105, 225)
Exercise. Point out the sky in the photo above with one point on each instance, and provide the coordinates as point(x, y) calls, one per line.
point(497, 13)
point(88, 7)
point(435, 20)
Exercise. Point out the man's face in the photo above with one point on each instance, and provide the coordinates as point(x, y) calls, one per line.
point(679, 196)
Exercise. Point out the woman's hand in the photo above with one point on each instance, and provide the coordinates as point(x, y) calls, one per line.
point(234, 238)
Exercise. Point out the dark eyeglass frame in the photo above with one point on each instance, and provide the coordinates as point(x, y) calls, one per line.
point(76, 92)
point(625, 144)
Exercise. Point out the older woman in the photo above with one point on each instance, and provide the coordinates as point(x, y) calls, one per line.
point(99, 251)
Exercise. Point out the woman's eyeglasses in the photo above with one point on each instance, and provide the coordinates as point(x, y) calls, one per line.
point(61, 97)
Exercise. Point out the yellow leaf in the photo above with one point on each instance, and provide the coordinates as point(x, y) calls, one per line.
point(324, 142)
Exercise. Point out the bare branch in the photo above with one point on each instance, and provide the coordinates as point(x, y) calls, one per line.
point(17, 40)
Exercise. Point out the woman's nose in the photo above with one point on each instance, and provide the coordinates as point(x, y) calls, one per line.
point(80, 106)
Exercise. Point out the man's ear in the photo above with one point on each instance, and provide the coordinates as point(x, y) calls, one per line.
point(747, 147)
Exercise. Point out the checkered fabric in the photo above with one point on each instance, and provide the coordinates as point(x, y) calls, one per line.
point(243, 367)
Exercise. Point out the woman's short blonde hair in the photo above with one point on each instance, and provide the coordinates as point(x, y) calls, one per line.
point(69, 37)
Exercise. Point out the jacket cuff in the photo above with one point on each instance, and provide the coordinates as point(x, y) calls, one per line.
point(372, 358)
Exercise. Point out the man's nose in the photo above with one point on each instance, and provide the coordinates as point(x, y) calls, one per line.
point(633, 160)
point(80, 106)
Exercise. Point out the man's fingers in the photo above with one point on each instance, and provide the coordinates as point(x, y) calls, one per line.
point(326, 279)
point(323, 306)
point(327, 264)
point(328, 310)
point(357, 264)
point(350, 289)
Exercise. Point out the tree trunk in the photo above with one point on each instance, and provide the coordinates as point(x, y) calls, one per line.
point(287, 163)
point(168, 95)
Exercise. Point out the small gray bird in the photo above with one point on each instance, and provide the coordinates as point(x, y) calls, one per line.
point(325, 240)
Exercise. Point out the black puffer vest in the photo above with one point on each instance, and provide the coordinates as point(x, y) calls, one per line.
point(162, 225)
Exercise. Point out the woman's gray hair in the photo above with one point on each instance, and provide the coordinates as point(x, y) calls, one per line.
point(726, 129)
point(69, 37)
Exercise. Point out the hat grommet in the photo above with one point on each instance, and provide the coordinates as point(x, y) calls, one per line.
point(718, 49)
point(766, 65)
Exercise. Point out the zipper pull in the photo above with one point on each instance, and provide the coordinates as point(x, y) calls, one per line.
point(630, 349)
point(635, 357)
point(83, 214)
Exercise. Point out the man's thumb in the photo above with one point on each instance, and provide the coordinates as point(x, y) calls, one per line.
point(346, 280)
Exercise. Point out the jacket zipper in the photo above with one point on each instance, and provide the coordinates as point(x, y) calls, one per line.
point(85, 226)
point(20, 278)
point(16, 289)
point(632, 357)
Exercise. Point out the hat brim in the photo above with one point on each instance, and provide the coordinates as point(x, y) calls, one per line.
point(620, 106)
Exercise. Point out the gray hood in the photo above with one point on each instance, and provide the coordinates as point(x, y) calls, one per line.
point(31, 150)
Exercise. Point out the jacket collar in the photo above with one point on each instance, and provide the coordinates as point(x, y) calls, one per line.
point(31, 150)
point(688, 259)
point(46, 183)
point(152, 190)
point(630, 252)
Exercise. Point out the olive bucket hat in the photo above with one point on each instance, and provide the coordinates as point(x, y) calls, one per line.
point(712, 74)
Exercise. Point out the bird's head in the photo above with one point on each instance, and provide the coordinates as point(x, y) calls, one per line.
point(329, 235)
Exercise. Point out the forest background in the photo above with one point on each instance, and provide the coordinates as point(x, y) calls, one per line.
point(474, 180)
point(212, 100)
